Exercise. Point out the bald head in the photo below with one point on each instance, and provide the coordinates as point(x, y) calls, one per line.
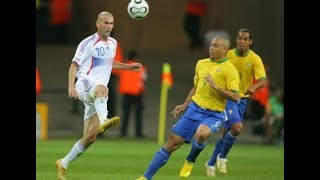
point(103, 14)
point(219, 47)
point(104, 24)
point(224, 42)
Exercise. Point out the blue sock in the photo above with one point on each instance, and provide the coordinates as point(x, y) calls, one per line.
point(195, 151)
point(159, 159)
point(229, 140)
point(217, 150)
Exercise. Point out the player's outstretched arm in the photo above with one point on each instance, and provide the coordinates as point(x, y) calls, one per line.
point(123, 66)
point(254, 87)
point(183, 106)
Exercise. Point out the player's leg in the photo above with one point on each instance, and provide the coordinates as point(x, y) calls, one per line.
point(198, 144)
point(91, 127)
point(235, 113)
point(182, 132)
point(214, 128)
point(208, 125)
point(230, 138)
point(218, 147)
point(99, 93)
point(161, 157)
point(231, 111)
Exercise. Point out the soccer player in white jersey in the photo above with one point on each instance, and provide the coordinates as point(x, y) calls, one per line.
point(92, 65)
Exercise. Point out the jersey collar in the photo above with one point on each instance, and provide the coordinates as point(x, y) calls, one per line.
point(245, 54)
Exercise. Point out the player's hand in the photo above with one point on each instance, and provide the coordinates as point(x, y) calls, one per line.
point(73, 93)
point(249, 91)
point(177, 110)
point(208, 79)
point(135, 66)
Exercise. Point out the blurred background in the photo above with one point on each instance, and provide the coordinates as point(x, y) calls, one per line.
point(158, 38)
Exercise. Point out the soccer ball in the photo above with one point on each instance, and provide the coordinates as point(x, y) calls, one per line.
point(138, 9)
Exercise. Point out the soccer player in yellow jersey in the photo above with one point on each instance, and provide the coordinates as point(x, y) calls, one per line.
point(215, 81)
point(249, 66)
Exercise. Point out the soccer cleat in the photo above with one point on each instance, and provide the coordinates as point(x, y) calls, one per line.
point(211, 170)
point(186, 169)
point(109, 123)
point(142, 178)
point(62, 172)
point(222, 164)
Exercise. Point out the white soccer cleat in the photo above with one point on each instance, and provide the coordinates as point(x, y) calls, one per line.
point(222, 164)
point(211, 170)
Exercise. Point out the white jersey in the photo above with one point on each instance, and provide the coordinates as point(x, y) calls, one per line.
point(95, 59)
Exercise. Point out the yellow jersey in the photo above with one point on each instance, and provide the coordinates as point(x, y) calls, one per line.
point(224, 74)
point(249, 66)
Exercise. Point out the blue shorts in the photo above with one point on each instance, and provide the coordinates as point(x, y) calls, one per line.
point(193, 117)
point(234, 112)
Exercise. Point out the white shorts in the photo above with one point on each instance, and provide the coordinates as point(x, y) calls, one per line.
point(85, 89)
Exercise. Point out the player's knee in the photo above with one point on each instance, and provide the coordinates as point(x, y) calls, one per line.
point(170, 146)
point(203, 133)
point(236, 129)
point(173, 143)
point(101, 91)
point(201, 136)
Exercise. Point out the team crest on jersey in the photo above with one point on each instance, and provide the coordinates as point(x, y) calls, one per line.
point(230, 111)
point(248, 64)
point(219, 69)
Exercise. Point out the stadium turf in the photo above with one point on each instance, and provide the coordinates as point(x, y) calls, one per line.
point(121, 159)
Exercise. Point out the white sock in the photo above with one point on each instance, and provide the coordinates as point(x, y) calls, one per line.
point(101, 108)
point(74, 153)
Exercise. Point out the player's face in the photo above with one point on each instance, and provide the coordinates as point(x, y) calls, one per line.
point(243, 41)
point(216, 49)
point(105, 26)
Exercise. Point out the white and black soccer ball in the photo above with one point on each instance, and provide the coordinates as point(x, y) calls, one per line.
point(138, 9)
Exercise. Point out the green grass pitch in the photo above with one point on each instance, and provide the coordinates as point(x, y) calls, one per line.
point(121, 159)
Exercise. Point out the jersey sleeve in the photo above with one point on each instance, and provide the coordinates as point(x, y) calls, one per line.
point(82, 52)
point(258, 68)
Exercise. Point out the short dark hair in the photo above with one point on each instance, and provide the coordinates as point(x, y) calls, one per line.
point(247, 31)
